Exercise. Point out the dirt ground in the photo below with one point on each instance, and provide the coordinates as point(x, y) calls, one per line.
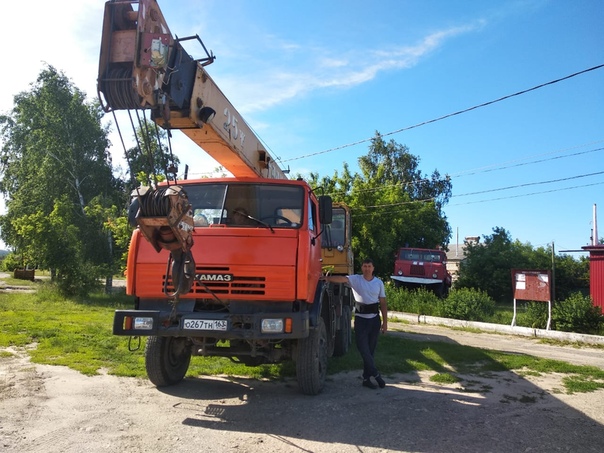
point(55, 409)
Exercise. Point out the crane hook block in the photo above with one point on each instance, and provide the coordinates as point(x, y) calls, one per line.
point(164, 217)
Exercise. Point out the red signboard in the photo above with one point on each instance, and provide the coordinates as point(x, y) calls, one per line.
point(532, 285)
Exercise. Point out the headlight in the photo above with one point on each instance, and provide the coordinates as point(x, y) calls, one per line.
point(272, 326)
point(400, 272)
point(143, 323)
point(340, 248)
point(434, 275)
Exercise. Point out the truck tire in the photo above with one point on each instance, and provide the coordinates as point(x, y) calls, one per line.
point(167, 359)
point(344, 335)
point(311, 365)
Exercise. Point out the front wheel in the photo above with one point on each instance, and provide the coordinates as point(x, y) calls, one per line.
point(167, 359)
point(311, 365)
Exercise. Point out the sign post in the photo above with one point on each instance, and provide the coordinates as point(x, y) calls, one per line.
point(533, 285)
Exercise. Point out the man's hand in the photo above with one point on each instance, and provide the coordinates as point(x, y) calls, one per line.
point(384, 328)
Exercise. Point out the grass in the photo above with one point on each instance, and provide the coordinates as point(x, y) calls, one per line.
point(77, 334)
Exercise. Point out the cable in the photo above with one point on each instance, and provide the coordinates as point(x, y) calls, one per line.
point(530, 184)
point(528, 194)
point(481, 170)
point(503, 166)
point(450, 114)
point(427, 200)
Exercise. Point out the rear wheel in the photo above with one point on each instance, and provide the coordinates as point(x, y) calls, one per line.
point(167, 359)
point(311, 364)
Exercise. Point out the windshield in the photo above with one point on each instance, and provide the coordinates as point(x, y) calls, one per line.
point(421, 255)
point(246, 205)
point(335, 233)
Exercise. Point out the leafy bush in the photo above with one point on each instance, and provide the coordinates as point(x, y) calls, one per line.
point(12, 261)
point(535, 316)
point(420, 301)
point(79, 280)
point(577, 314)
point(467, 304)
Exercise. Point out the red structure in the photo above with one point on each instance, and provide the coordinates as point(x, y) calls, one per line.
point(533, 285)
point(596, 273)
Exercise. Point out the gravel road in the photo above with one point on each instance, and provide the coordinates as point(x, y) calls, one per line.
point(55, 409)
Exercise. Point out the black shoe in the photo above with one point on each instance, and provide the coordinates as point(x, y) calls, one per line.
point(380, 381)
point(367, 383)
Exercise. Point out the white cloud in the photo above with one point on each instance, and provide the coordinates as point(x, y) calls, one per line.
point(310, 73)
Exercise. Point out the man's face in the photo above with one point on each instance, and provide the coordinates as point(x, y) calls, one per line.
point(367, 269)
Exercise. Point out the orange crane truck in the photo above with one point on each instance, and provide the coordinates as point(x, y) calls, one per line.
point(225, 267)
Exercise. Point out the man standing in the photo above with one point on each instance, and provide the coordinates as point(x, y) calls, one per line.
point(370, 299)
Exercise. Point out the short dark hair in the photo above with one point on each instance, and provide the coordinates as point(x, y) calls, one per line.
point(368, 261)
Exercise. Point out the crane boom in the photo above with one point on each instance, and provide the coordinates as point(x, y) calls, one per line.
point(142, 66)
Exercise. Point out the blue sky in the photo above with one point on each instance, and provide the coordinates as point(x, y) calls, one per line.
point(313, 76)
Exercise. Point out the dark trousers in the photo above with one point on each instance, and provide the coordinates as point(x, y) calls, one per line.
point(366, 332)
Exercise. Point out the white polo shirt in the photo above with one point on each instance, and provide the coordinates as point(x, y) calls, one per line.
point(366, 291)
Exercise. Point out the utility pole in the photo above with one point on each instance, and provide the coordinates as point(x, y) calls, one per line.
point(553, 282)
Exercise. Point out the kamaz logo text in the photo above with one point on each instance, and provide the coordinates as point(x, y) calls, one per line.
point(214, 277)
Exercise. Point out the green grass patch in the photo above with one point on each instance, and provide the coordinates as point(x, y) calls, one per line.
point(77, 334)
point(444, 378)
point(582, 384)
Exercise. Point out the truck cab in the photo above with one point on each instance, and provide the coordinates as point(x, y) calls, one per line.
point(427, 268)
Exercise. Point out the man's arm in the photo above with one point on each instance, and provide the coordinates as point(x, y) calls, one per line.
point(384, 310)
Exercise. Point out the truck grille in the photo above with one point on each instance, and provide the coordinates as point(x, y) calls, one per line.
point(417, 269)
point(219, 280)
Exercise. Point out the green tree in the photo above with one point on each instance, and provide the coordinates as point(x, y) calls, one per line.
point(55, 168)
point(571, 276)
point(392, 203)
point(488, 266)
point(150, 161)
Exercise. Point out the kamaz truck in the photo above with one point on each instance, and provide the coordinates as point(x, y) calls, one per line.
point(226, 267)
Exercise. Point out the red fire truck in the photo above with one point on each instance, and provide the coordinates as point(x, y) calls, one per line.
point(415, 267)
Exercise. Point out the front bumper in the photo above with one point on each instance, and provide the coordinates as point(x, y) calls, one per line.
point(232, 326)
point(417, 280)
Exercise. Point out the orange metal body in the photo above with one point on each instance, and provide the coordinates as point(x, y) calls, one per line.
point(264, 264)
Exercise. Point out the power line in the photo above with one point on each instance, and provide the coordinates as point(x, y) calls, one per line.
point(449, 115)
point(513, 163)
point(485, 170)
point(530, 184)
point(403, 203)
point(529, 194)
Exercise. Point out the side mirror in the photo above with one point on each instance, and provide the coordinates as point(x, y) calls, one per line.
point(325, 210)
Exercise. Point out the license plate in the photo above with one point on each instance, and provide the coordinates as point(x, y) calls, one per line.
point(204, 324)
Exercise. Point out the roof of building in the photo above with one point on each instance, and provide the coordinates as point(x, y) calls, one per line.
point(456, 252)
